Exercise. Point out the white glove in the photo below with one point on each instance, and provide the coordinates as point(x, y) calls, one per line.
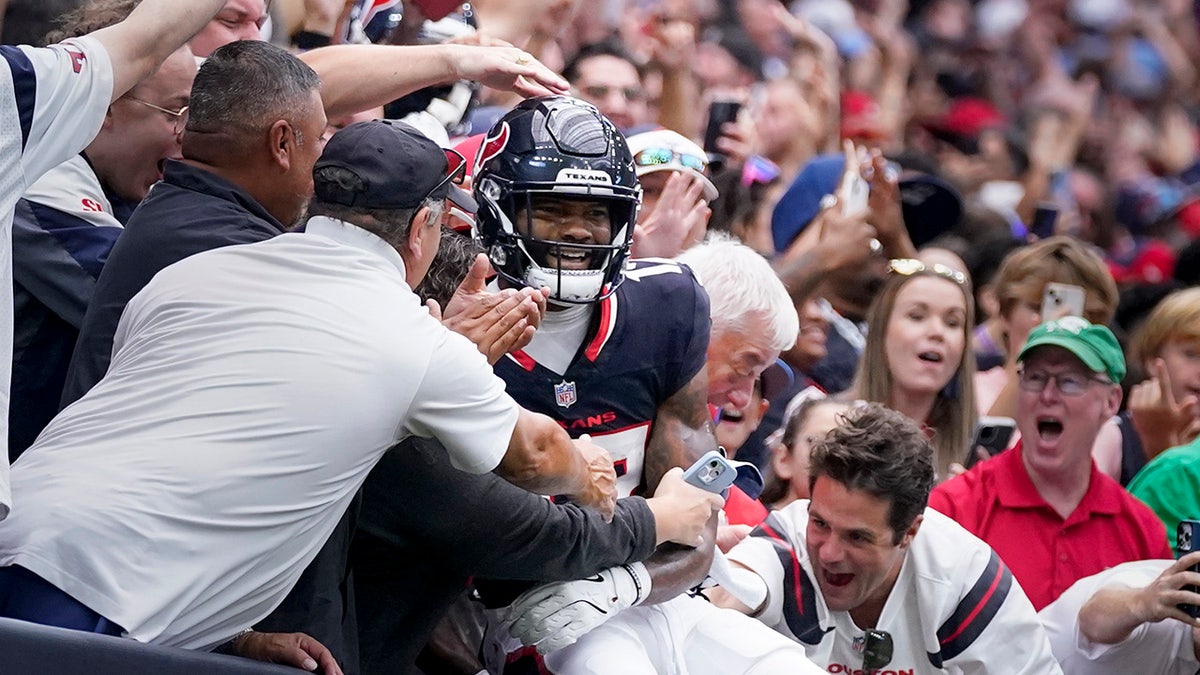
point(554, 616)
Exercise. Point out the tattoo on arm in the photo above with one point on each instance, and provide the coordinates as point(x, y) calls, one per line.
point(682, 432)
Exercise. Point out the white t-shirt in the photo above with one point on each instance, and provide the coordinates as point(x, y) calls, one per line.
point(955, 607)
point(1163, 648)
point(52, 102)
point(251, 390)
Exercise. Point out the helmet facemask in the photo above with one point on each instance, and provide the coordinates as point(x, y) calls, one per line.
point(574, 271)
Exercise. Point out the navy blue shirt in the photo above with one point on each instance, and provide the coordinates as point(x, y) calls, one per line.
point(190, 211)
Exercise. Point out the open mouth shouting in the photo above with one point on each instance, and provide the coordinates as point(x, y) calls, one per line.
point(1049, 428)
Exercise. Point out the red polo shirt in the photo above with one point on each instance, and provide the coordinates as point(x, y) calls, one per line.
point(997, 502)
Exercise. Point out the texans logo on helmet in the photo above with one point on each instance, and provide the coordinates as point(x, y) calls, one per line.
point(493, 145)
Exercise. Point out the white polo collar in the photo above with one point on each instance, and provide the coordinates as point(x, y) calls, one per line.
point(353, 235)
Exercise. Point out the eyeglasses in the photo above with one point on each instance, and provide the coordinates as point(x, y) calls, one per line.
point(910, 266)
point(1067, 384)
point(877, 650)
point(179, 117)
point(661, 156)
point(456, 171)
point(601, 91)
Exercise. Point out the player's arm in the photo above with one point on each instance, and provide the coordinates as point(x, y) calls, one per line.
point(682, 433)
point(542, 458)
point(151, 33)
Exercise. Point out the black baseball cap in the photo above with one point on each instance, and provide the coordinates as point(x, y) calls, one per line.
point(399, 167)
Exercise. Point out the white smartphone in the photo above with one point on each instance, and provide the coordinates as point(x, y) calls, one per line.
point(855, 191)
point(1059, 300)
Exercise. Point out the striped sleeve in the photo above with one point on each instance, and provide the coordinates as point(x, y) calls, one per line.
point(798, 597)
point(974, 612)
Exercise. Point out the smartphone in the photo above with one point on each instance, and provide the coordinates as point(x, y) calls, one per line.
point(855, 191)
point(711, 472)
point(1045, 216)
point(1186, 535)
point(1059, 300)
point(993, 434)
point(719, 112)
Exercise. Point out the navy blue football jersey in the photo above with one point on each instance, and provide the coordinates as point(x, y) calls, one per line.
point(644, 343)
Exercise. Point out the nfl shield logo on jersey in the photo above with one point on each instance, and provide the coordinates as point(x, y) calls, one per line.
point(564, 394)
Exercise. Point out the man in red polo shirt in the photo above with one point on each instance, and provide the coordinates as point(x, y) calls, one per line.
point(1044, 506)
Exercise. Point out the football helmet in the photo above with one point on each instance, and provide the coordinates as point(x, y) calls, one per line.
point(555, 146)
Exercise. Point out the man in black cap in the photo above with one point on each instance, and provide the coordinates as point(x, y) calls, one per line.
point(251, 390)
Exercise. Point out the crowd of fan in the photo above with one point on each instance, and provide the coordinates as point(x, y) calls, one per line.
point(929, 265)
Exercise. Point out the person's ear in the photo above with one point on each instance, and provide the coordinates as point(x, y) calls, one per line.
point(781, 461)
point(911, 532)
point(1113, 403)
point(281, 144)
point(418, 230)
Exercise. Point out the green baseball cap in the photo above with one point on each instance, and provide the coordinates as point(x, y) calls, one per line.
point(1095, 345)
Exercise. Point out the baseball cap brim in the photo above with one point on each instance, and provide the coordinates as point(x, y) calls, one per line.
point(1084, 352)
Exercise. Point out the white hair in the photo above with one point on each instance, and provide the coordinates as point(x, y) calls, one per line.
point(742, 287)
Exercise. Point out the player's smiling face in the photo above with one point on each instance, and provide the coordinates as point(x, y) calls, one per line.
point(569, 221)
point(853, 550)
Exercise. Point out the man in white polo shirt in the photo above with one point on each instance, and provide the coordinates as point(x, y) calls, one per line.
point(52, 101)
point(251, 390)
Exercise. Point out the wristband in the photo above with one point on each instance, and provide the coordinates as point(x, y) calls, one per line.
point(641, 581)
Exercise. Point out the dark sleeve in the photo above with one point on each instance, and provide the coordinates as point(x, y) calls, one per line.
point(693, 348)
point(483, 525)
point(57, 257)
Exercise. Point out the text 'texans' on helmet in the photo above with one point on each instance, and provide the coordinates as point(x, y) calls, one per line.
point(555, 146)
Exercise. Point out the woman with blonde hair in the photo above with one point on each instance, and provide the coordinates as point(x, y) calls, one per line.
point(917, 358)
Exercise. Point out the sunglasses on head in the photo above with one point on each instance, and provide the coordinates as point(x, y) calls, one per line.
point(909, 266)
point(663, 156)
point(456, 171)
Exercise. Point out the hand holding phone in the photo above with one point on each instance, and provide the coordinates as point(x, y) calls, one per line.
point(1059, 300)
point(712, 472)
point(853, 190)
point(993, 434)
point(1187, 540)
point(719, 113)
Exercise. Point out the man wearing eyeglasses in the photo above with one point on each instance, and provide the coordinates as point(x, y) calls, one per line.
point(607, 77)
point(280, 372)
point(67, 222)
point(1053, 517)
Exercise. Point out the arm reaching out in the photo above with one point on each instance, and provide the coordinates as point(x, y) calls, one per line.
point(1113, 612)
point(358, 77)
point(542, 458)
point(151, 33)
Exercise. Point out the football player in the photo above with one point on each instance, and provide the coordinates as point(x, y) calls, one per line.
point(620, 356)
